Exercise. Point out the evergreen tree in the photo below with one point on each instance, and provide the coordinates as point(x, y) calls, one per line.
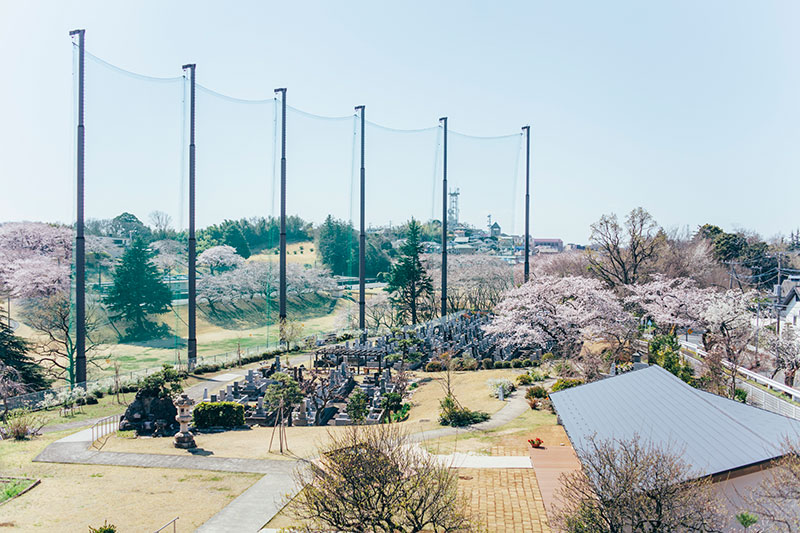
point(13, 352)
point(408, 281)
point(232, 236)
point(138, 291)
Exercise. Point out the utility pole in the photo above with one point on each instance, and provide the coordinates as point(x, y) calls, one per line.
point(443, 121)
point(282, 252)
point(362, 242)
point(527, 130)
point(778, 300)
point(80, 241)
point(191, 358)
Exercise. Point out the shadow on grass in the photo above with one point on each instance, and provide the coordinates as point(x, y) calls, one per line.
point(200, 451)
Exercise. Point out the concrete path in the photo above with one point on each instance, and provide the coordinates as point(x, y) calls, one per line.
point(256, 506)
point(74, 449)
point(466, 460)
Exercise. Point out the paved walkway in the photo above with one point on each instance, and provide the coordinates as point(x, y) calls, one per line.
point(258, 504)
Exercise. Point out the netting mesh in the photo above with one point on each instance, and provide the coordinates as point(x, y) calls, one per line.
point(403, 176)
point(322, 189)
point(135, 205)
point(484, 171)
point(137, 202)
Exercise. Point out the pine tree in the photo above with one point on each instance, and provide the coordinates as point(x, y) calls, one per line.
point(138, 291)
point(14, 353)
point(408, 281)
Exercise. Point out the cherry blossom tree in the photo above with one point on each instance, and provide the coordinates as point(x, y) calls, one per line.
point(558, 314)
point(728, 321)
point(574, 263)
point(34, 248)
point(786, 350)
point(38, 276)
point(219, 259)
point(671, 303)
point(168, 253)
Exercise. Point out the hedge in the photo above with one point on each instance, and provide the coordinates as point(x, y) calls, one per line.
point(218, 414)
point(434, 366)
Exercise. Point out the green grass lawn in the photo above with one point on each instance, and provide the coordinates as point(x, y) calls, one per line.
point(10, 487)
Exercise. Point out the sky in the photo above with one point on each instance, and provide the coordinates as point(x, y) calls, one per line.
point(688, 109)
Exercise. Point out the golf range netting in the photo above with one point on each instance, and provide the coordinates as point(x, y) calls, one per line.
point(137, 198)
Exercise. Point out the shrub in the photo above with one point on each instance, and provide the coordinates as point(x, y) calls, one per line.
point(218, 414)
point(413, 386)
point(566, 383)
point(502, 364)
point(434, 366)
point(516, 362)
point(501, 384)
point(539, 376)
point(466, 363)
point(740, 395)
point(164, 383)
point(21, 424)
point(524, 379)
point(526, 363)
point(536, 392)
point(562, 368)
point(402, 414)
point(487, 364)
point(454, 415)
point(548, 356)
point(105, 528)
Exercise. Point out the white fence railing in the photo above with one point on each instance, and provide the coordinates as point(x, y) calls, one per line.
point(104, 426)
point(757, 396)
point(749, 374)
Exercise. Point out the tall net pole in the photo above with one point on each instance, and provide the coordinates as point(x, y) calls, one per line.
point(443, 120)
point(282, 252)
point(362, 241)
point(527, 130)
point(80, 241)
point(192, 353)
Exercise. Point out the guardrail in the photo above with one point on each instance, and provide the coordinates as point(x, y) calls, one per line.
point(173, 521)
point(104, 426)
point(753, 376)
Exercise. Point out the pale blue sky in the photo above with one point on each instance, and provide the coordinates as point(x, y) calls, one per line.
point(689, 109)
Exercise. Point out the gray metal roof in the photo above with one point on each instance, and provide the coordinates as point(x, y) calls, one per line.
point(713, 434)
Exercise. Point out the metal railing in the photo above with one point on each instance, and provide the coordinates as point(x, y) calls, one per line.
point(104, 426)
point(174, 525)
point(749, 374)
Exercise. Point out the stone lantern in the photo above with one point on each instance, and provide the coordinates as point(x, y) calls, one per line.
point(184, 439)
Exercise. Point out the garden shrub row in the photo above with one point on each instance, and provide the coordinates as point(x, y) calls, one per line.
point(218, 414)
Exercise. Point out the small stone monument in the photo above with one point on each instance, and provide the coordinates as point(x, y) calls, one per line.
point(184, 439)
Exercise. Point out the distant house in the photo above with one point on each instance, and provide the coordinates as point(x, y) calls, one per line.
point(505, 242)
point(790, 303)
point(732, 443)
point(548, 245)
point(494, 230)
point(462, 249)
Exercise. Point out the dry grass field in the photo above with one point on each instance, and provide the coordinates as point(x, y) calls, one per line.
point(74, 497)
